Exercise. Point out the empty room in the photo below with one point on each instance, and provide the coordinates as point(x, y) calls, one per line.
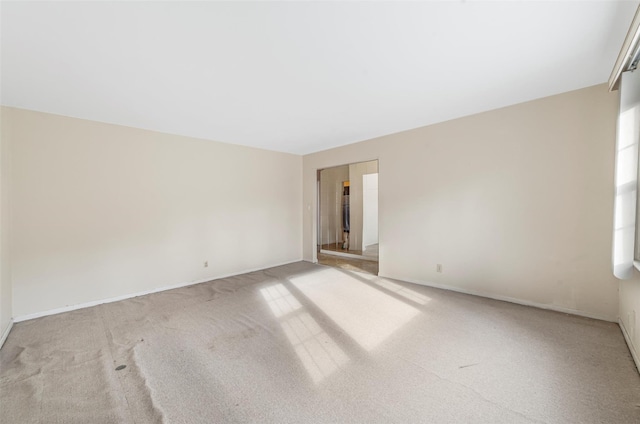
point(319, 212)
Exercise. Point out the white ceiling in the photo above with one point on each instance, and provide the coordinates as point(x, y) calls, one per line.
point(300, 76)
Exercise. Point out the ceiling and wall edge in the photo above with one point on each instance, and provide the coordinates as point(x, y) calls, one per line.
point(627, 53)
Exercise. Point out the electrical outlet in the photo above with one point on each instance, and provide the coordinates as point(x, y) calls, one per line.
point(438, 267)
point(206, 264)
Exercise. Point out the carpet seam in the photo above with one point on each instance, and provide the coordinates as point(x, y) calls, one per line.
point(474, 391)
point(124, 392)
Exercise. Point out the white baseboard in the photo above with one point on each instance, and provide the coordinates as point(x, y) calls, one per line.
point(555, 308)
point(137, 294)
point(632, 349)
point(6, 333)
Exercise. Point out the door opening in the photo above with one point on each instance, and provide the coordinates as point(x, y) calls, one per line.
point(348, 216)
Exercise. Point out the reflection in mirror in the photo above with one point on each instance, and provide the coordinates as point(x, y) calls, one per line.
point(348, 212)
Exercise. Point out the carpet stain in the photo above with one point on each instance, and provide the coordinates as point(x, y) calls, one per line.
point(466, 366)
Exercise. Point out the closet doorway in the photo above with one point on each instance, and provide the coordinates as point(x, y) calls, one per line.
point(348, 217)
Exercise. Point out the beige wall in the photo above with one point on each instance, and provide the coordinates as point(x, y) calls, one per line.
point(515, 203)
point(101, 211)
point(6, 311)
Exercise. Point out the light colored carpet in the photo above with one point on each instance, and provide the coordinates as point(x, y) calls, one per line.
point(306, 343)
point(348, 264)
